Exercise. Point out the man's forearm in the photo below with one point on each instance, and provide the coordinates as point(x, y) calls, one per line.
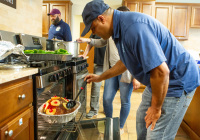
point(159, 78)
point(87, 49)
point(117, 69)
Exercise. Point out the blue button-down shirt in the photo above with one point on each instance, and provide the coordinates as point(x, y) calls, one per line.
point(60, 31)
point(144, 43)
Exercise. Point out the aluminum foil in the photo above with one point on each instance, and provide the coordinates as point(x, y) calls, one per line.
point(64, 118)
point(7, 48)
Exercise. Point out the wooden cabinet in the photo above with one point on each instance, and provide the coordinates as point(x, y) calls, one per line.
point(180, 21)
point(19, 128)
point(132, 5)
point(15, 97)
point(63, 6)
point(195, 16)
point(146, 7)
point(16, 121)
point(163, 13)
point(175, 17)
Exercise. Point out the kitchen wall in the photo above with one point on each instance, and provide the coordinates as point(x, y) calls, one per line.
point(193, 42)
point(26, 18)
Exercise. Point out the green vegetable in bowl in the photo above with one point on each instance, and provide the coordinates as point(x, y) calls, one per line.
point(41, 51)
point(61, 51)
point(28, 51)
point(35, 50)
point(50, 52)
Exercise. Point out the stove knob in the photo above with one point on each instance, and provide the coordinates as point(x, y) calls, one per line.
point(57, 76)
point(68, 71)
point(79, 68)
point(52, 78)
point(83, 67)
point(62, 74)
point(87, 65)
point(65, 73)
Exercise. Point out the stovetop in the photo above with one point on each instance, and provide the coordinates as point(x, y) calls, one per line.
point(45, 67)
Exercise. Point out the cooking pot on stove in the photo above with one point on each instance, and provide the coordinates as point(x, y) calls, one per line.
point(70, 46)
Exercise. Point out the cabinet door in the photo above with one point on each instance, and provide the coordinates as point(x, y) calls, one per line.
point(180, 21)
point(90, 60)
point(133, 6)
point(147, 8)
point(195, 17)
point(15, 96)
point(45, 19)
point(20, 128)
point(163, 14)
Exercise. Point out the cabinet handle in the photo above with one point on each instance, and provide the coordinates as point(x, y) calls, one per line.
point(22, 96)
point(9, 133)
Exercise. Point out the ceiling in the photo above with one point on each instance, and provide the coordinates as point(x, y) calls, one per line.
point(109, 2)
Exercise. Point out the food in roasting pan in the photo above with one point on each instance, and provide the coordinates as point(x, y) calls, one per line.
point(57, 106)
point(55, 111)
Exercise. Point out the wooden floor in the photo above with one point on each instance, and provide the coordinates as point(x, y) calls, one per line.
point(130, 125)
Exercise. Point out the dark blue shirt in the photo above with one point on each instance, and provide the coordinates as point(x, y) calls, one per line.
point(60, 31)
point(144, 43)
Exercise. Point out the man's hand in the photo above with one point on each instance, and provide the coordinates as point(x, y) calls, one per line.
point(152, 115)
point(92, 78)
point(82, 56)
point(136, 84)
point(83, 40)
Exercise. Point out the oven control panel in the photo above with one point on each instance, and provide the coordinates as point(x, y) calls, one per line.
point(44, 80)
point(80, 67)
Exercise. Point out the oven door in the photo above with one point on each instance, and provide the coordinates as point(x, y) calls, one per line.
point(43, 130)
point(95, 129)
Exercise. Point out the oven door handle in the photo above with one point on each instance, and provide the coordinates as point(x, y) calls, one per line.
point(81, 76)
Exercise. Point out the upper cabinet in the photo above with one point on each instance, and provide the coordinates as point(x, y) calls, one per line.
point(132, 5)
point(146, 7)
point(175, 17)
point(180, 21)
point(65, 8)
point(195, 16)
point(163, 13)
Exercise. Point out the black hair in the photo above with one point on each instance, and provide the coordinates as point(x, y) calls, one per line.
point(123, 8)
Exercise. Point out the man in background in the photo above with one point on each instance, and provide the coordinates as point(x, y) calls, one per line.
point(58, 29)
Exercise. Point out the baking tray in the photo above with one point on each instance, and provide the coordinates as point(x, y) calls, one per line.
point(43, 57)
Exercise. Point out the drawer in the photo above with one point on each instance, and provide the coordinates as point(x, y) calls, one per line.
point(19, 128)
point(15, 97)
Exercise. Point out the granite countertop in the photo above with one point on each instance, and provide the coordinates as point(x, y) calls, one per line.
point(10, 75)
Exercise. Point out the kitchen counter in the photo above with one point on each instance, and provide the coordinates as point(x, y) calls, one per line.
point(9, 75)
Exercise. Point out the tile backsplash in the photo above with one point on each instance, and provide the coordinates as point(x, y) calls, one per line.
point(193, 42)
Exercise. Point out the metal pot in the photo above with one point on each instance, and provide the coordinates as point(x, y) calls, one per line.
point(71, 47)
